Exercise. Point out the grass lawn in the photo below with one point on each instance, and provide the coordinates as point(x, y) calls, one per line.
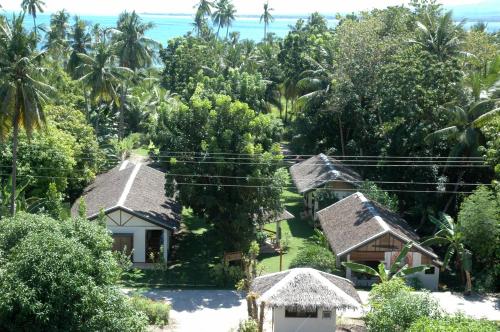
point(197, 248)
point(299, 230)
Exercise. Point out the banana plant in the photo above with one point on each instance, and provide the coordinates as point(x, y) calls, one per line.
point(398, 268)
point(22, 203)
point(449, 235)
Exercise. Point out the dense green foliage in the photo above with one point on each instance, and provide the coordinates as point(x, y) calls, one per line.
point(316, 257)
point(394, 307)
point(452, 324)
point(60, 276)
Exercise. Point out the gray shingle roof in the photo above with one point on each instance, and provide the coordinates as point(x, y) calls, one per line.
point(319, 170)
point(138, 189)
point(355, 220)
point(306, 288)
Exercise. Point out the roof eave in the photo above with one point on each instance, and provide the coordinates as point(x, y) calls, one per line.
point(136, 214)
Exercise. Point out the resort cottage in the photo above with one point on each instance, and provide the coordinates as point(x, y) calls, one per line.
point(323, 172)
point(363, 231)
point(139, 216)
point(305, 299)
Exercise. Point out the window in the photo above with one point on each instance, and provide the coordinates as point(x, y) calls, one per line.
point(430, 270)
point(299, 313)
point(327, 314)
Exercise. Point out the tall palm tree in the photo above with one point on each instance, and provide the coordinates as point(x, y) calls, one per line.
point(266, 17)
point(218, 16)
point(134, 50)
point(102, 76)
point(32, 7)
point(57, 37)
point(464, 128)
point(448, 234)
point(80, 43)
point(22, 95)
point(464, 131)
point(439, 35)
point(204, 8)
point(229, 17)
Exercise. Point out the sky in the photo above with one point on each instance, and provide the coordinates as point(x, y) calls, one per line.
point(245, 7)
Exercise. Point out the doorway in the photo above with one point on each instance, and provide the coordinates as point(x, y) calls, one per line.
point(154, 241)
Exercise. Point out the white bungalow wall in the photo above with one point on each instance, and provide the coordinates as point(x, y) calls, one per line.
point(429, 281)
point(341, 190)
point(121, 222)
point(287, 324)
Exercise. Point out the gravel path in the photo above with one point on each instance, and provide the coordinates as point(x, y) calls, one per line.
point(222, 310)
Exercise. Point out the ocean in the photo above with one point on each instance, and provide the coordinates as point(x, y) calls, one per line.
point(170, 26)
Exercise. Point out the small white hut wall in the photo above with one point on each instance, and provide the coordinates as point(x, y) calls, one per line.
point(341, 190)
point(287, 324)
point(121, 222)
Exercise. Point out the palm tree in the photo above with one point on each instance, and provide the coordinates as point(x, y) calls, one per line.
point(80, 44)
point(57, 37)
point(439, 35)
point(204, 8)
point(449, 235)
point(134, 50)
point(397, 270)
point(464, 131)
point(266, 17)
point(32, 7)
point(464, 128)
point(102, 76)
point(218, 16)
point(229, 18)
point(22, 95)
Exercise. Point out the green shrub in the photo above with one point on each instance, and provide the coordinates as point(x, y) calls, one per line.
point(225, 275)
point(60, 276)
point(394, 307)
point(248, 325)
point(157, 312)
point(316, 257)
point(456, 323)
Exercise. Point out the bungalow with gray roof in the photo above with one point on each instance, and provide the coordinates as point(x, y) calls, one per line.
point(323, 172)
point(363, 231)
point(137, 212)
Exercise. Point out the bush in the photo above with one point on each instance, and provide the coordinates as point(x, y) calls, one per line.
point(226, 275)
point(394, 307)
point(60, 276)
point(456, 323)
point(248, 325)
point(157, 312)
point(316, 257)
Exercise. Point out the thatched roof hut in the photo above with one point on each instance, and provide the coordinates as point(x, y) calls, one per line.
point(305, 288)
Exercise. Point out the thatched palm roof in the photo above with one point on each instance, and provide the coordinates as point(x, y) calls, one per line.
point(306, 288)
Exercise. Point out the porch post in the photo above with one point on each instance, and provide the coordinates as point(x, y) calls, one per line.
point(348, 270)
point(166, 243)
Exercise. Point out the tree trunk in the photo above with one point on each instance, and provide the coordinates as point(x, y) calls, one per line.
point(265, 33)
point(121, 115)
point(249, 306)
point(87, 105)
point(450, 200)
point(34, 26)
point(468, 285)
point(15, 136)
point(286, 109)
point(341, 134)
point(261, 317)
point(227, 31)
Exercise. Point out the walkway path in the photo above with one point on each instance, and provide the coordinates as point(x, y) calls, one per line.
point(222, 310)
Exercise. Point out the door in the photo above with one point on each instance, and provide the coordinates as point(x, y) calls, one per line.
point(154, 241)
point(123, 243)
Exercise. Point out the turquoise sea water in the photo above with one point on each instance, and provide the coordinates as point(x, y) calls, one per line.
point(249, 27)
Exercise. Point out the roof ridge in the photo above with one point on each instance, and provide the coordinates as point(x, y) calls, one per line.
point(128, 185)
point(374, 212)
point(336, 288)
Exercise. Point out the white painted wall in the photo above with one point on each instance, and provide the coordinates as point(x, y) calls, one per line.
point(285, 324)
point(121, 222)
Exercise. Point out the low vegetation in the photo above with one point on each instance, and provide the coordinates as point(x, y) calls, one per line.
point(158, 313)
